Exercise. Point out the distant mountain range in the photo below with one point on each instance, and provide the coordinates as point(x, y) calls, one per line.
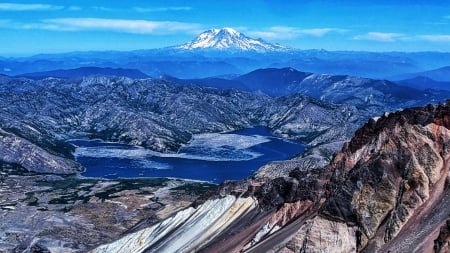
point(436, 79)
point(219, 52)
point(277, 82)
point(342, 89)
point(86, 71)
point(229, 39)
point(441, 74)
point(424, 83)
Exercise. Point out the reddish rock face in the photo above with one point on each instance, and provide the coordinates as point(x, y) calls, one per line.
point(391, 175)
point(386, 190)
point(443, 116)
point(442, 243)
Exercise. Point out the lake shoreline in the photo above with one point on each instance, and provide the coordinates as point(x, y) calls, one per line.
point(208, 157)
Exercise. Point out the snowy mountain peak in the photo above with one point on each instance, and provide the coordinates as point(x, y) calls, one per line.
point(229, 39)
point(228, 30)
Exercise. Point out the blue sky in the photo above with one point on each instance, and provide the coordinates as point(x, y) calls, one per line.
point(42, 26)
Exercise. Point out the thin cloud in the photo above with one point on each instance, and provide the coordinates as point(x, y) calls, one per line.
point(435, 38)
point(287, 33)
point(282, 33)
point(29, 7)
point(102, 8)
point(114, 25)
point(163, 9)
point(436, 23)
point(380, 36)
point(4, 22)
point(74, 8)
point(320, 32)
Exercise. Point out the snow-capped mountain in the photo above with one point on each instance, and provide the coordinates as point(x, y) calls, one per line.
point(229, 39)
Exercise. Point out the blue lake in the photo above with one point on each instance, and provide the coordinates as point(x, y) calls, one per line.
point(211, 157)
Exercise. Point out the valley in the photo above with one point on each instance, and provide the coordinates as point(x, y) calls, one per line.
point(43, 118)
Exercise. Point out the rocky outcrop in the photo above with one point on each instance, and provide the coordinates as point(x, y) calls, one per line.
point(391, 174)
point(442, 242)
point(284, 215)
point(390, 178)
point(313, 158)
point(311, 121)
point(19, 151)
point(188, 230)
point(322, 235)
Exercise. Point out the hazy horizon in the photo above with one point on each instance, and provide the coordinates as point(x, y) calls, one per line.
point(46, 27)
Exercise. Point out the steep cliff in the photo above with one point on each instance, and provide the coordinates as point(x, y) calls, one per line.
point(390, 176)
